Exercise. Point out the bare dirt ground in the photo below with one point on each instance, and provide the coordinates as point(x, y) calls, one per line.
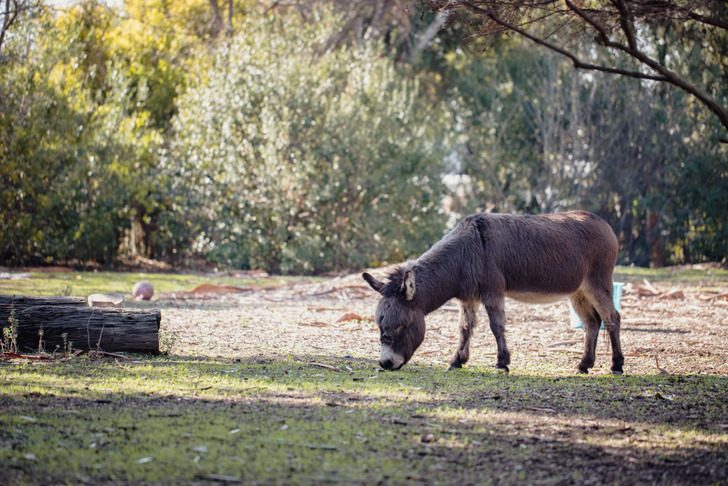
point(681, 332)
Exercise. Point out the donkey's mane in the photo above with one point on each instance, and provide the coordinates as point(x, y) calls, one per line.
point(393, 285)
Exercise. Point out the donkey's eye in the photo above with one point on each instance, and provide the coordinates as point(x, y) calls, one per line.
point(386, 339)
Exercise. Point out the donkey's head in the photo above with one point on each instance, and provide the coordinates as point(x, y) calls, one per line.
point(401, 323)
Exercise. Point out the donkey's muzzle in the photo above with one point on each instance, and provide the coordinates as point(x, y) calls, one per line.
point(389, 365)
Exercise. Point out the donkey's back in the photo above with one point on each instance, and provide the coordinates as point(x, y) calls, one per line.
point(551, 254)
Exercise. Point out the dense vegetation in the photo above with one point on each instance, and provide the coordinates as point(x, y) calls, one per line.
point(307, 139)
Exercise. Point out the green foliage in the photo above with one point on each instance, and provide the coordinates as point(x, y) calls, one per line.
point(79, 142)
point(296, 162)
point(9, 341)
point(535, 135)
point(172, 132)
point(38, 136)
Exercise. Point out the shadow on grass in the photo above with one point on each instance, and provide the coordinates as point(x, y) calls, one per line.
point(311, 419)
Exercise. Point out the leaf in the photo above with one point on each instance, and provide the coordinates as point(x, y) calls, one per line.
point(314, 324)
point(675, 294)
point(145, 460)
point(350, 316)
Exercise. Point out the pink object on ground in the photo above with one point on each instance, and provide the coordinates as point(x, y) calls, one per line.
point(143, 290)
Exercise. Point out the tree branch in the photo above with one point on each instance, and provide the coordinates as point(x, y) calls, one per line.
point(577, 62)
point(633, 51)
point(8, 20)
point(624, 13)
point(708, 20)
point(627, 24)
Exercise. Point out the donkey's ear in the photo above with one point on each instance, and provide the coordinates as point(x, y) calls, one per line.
point(408, 284)
point(373, 282)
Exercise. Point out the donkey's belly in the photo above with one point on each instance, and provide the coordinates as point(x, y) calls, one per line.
point(535, 297)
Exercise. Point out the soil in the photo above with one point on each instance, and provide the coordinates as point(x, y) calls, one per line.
point(675, 332)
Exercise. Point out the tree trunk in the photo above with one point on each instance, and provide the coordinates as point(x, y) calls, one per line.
point(654, 240)
point(84, 327)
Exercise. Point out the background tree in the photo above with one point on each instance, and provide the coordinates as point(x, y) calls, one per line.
point(621, 29)
point(291, 162)
point(319, 136)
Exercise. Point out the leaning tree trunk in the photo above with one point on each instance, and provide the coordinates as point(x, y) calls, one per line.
point(68, 322)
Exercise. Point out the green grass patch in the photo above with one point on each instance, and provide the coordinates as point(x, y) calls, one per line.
point(85, 283)
point(296, 421)
point(687, 275)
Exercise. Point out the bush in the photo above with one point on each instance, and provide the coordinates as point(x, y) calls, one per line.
point(295, 162)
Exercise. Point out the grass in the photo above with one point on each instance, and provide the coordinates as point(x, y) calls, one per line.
point(315, 420)
point(312, 419)
point(85, 283)
point(695, 275)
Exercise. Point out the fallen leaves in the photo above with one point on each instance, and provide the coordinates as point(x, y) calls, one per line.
point(218, 289)
point(314, 324)
point(350, 316)
point(707, 296)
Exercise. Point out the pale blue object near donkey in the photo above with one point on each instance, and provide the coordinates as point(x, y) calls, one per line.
point(616, 298)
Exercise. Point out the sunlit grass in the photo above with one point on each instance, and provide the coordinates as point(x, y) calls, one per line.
point(690, 275)
point(85, 283)
point(292, 421)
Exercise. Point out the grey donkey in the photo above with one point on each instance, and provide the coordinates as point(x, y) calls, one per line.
point(488, 257)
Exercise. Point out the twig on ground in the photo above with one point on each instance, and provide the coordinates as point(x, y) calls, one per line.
point(106, 353)
point(325, 366)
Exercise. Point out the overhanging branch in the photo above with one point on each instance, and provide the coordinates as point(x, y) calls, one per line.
point(577, 62)
point(623, 13)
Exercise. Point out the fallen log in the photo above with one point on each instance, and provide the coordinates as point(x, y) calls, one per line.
point(18, 302)
point(87, 328)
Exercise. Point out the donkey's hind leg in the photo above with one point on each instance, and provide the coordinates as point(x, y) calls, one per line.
point(468, 321)
point(599, 292)
point(588, 315)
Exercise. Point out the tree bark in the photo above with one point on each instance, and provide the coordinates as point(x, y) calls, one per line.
point(84, 327)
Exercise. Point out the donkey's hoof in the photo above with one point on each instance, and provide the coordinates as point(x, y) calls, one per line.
point(617, 372)
point(502, 369)
point(455, 366)
point(583, 371)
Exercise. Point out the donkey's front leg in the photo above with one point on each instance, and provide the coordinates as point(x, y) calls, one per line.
point(495, 305)
point(468, 320)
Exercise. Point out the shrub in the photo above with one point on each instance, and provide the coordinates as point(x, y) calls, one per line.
point(295, 162)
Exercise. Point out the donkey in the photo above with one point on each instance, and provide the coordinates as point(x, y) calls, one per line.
point(488, 257)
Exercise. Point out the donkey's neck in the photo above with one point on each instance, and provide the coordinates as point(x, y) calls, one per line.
point(436, 278)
